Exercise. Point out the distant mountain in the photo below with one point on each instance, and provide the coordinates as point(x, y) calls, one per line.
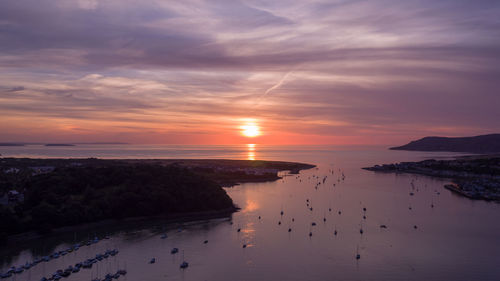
point(11, 144)
point(100, 143)
point(477, 144)
point(59, 144)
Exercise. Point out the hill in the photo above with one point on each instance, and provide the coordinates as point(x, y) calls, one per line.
point(477, 144)
point(39, 195)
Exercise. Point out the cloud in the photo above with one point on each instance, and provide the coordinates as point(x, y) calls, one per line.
point(366, 67)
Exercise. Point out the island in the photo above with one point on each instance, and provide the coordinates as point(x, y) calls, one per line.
point(40, 195)
point(475, 177)
point(11, 144)
point(483, 144)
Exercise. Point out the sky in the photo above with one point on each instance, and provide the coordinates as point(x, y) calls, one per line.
point(201, 72)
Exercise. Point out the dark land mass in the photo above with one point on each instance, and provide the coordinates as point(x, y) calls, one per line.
point(478, 144)
point(475, 177)
point(11, 144)
point(40, 195)
point(100, 143)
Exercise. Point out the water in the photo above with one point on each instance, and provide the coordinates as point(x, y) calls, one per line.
point(458, 239)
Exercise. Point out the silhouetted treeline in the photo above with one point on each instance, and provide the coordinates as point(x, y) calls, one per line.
point(70, 196)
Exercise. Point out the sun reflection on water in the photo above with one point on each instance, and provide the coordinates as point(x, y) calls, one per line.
point(251, 151)
point(250, 206)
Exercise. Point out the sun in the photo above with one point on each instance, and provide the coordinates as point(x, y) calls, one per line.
point(250, 130)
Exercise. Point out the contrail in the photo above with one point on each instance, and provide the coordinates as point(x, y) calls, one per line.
point(277, 85)
point(274, 87)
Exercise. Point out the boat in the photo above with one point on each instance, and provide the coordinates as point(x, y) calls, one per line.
point(27, 265)
point(164, 236)
point(205, 242)
point(184, 265)
point(174, 251)
point(153, 260)
point(18, 270)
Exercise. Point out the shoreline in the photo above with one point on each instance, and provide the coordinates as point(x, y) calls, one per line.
point(474, 177)
point(164, 219)
point(27, 172)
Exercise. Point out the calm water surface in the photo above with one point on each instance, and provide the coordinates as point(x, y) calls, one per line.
point(458, 239)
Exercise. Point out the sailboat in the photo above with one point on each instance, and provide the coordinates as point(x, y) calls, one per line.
point(184, 263)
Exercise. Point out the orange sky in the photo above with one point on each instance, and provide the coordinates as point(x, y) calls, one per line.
point(305, 72)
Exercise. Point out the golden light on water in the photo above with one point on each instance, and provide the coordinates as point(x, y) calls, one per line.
point(251, 151)
point(251, 206)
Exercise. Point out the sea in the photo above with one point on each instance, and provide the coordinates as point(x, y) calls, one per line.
point(301, 227)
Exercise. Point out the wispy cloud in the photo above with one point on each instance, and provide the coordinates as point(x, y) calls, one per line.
point(325, 69)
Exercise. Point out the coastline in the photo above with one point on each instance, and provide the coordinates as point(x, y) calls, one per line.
point(164, 219)
point(208, 172)
point(474, 177)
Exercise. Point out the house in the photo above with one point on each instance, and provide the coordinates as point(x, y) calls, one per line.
point(42, 170)
point(12, 171)
point(15, 196)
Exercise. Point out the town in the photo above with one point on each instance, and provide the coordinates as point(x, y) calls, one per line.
point(475, 177)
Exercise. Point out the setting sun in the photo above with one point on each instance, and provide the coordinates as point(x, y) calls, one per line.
point(250, 130)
